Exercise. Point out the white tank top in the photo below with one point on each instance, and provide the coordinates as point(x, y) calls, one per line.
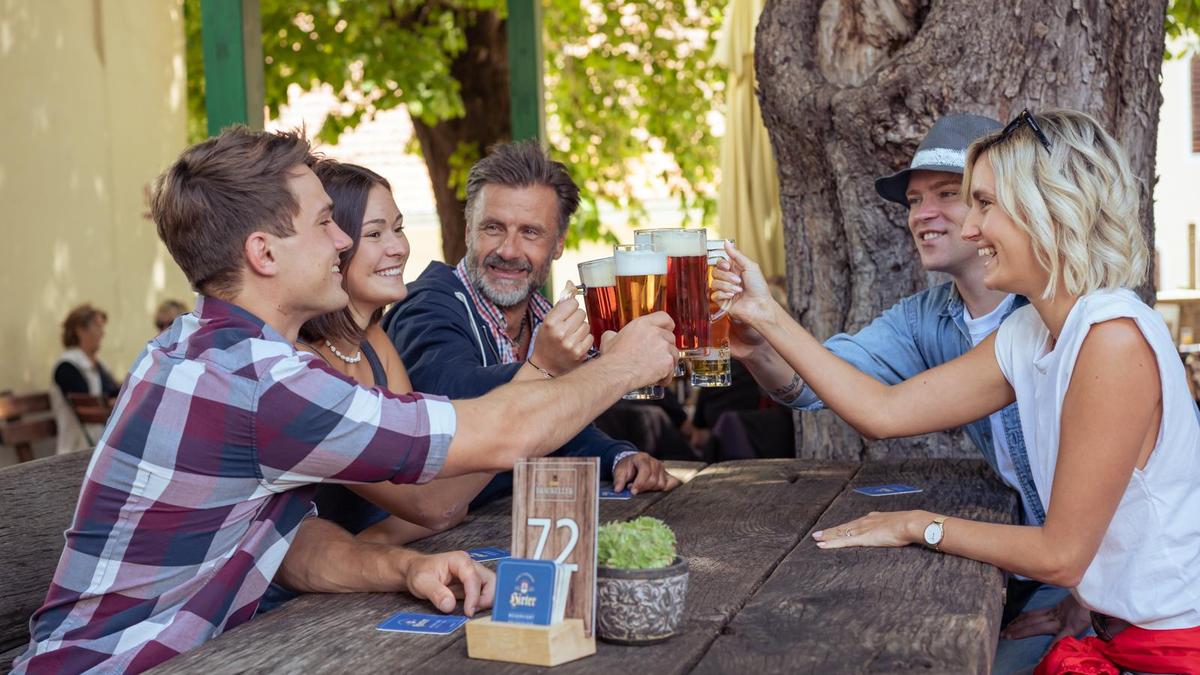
point(1147, 569)
point(71, 433)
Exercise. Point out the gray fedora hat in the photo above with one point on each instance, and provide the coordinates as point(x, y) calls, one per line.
point(944, 148)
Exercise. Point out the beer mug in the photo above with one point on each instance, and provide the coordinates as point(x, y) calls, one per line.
point(598, 285)
point(710, 364)
point(641, 279)
point(687, 282)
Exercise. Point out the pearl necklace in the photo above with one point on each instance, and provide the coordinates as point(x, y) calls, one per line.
point(348, 359)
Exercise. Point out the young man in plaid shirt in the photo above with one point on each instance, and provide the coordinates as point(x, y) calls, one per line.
point(199, 491)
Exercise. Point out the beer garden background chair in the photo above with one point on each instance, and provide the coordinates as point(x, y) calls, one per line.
point(26, 419)
point(39, 499)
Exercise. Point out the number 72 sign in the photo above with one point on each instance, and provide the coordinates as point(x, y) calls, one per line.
point(555, 511)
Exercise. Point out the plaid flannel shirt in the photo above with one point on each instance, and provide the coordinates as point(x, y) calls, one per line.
point(200, 482)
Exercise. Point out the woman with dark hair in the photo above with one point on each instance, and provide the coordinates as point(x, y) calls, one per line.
point(78, 371)
point(352, 342)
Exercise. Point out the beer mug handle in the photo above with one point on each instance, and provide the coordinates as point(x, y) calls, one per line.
point(570, 290)
point(722, 311)
point(713, 259)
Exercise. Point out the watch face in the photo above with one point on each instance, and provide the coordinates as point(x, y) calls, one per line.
point(933, 534)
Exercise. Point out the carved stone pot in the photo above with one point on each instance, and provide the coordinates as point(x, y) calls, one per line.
point(638, 607)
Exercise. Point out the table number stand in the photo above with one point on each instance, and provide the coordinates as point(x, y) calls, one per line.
point(555, 517)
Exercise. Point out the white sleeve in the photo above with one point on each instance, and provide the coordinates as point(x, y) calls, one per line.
point(1006, 337)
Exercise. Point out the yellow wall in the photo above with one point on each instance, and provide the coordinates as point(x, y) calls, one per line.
point(93, 108)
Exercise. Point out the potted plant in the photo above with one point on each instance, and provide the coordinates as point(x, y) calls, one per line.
point(640, 582)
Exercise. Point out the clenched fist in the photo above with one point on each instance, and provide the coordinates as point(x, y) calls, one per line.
point(645, 347)
point(563, 339)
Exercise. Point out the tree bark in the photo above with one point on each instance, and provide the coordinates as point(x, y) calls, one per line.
point(482, 72)
point(848, 89)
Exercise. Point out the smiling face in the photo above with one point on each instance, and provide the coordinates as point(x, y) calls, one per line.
point(512, 238)
point(375, 275)
point(1005, 247)
point(308, 260)
point(935, 215)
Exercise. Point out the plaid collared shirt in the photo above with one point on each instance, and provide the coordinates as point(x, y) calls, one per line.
point(496, 323)
point(200, 482)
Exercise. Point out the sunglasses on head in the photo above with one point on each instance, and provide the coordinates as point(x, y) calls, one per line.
point(1025, 117)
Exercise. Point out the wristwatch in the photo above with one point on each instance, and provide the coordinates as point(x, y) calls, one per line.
point(934, 532)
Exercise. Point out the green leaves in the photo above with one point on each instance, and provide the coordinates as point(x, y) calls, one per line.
point(629, 79)
point(643, 543)
point(624, 80)
point(1183, 19)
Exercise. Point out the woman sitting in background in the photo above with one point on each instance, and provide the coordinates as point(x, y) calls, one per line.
point(78, 371)
point(1114, 437)
point(165, 315)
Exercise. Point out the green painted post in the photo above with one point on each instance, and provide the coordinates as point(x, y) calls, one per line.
point(524, 26)
point(231, 31)
point(525, 89)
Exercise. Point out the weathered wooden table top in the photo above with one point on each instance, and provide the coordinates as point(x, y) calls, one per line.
point(762, 598)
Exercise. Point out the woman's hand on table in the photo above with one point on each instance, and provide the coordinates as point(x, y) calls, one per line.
point(889, 528)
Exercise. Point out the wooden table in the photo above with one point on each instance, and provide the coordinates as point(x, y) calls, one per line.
point(762, 598)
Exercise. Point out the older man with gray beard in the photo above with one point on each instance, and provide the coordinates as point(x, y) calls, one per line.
point(464, 330)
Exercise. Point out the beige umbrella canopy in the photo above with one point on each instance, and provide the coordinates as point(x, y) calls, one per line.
point(748, 202)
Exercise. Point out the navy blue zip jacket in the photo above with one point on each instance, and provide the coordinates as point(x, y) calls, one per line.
point(448, 350)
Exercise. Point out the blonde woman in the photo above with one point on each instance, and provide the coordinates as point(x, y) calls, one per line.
point(1113, 438)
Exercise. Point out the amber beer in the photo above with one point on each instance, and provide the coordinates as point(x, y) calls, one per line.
point(599, 279)
point(710, 365)
point(641, 276)
point(687, 282)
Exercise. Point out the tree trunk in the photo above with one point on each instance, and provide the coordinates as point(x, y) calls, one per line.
point(849, 87)
point(482, 72)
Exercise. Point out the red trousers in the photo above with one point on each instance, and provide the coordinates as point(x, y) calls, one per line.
point(1139, 649)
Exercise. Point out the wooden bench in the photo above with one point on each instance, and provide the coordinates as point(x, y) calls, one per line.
point(39, 499)
point(26, 420)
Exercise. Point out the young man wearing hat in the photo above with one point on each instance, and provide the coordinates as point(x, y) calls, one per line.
point(932, 327)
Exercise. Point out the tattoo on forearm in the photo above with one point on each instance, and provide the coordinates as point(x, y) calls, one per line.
point(790, 391)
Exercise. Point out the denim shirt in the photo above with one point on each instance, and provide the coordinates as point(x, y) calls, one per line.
point(920, 332)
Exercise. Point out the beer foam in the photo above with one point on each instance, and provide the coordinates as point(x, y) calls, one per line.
point(639, 263)
point(679, 243)
point(598, 273)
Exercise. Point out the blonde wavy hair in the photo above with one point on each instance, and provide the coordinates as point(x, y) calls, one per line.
point(1078, 202)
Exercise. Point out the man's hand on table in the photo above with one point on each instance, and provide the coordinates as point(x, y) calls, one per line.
point(1066, 619)
point(443, 578)
point(642, 473)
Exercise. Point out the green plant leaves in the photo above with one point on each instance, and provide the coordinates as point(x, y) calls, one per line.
point(642, 543)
